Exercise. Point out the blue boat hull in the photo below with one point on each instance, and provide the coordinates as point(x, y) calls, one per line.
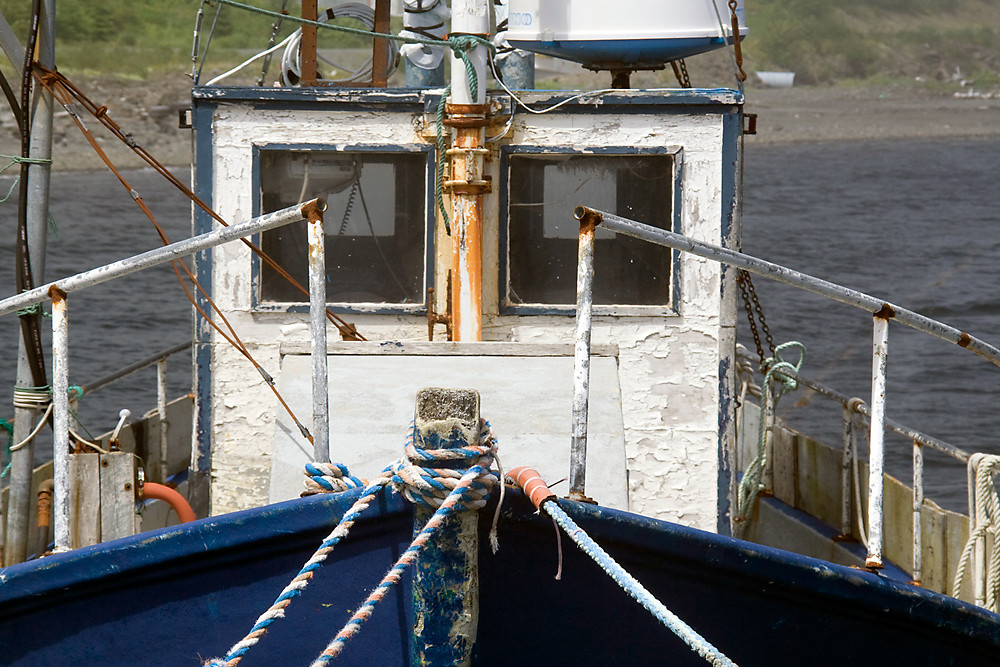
point(182, 595)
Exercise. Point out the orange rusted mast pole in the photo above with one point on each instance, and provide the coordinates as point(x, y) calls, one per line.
point(467, 115)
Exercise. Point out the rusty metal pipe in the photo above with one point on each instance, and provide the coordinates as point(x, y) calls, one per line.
point(467, 115)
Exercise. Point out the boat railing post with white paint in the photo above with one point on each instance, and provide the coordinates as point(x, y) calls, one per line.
point(317, 320)
point(581, 358)
point(876, 441)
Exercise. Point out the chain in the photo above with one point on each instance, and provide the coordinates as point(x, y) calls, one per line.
point(681, 72)
point(752, 305)
point(736, 40)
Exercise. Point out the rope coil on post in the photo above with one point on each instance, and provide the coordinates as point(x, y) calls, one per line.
point(775, 368)
point(432, 486)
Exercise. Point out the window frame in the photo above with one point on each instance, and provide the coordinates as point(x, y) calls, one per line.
point(671, 308)
point(257, 304)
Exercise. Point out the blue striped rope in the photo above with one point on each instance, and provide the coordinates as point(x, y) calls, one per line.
point(299, 582)
point(450, 505)
point(637, 591)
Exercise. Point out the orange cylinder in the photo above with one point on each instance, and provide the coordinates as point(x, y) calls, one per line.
point(532, 485)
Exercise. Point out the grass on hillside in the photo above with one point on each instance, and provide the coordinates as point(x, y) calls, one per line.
point(822, 41)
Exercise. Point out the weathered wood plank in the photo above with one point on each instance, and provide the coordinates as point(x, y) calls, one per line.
point(117, 496)
point(84, 499)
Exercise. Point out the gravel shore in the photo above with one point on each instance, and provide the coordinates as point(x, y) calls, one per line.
point(149, 110)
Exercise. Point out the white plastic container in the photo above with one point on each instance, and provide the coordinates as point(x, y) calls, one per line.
point(612, 34)
point(777, 79)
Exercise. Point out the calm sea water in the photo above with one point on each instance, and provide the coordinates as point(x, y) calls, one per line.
point(912, 222)
point(915, 223)
point(115, 324)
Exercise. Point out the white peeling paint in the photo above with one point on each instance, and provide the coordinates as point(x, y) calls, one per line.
point(668, 366)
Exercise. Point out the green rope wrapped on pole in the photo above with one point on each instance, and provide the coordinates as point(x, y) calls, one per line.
point(775, 368)
point(9, 427)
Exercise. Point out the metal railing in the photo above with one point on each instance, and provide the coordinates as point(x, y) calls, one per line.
point(852, 406)
point(58, 291)
point(882, 311)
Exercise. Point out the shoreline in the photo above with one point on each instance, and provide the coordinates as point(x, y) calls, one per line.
point(796, 115)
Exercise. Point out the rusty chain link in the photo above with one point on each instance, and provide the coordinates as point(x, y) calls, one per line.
point(736, 40)
point(681, 72)
point(752, 305)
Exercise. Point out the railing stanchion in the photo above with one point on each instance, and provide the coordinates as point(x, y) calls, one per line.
point(876, 446)
point(317, 347)
point(60, 417)
point(976, 518)
point(918, 505)
point(581, 360)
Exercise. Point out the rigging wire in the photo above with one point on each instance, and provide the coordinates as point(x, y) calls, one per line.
point(275, 29)
point(65, 93)
point(50, 78)
point(30, 330)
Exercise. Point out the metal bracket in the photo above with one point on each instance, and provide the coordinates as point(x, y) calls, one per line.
point(439, 318)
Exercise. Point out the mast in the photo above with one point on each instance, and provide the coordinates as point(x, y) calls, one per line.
point(467, 114)
point(22, 460)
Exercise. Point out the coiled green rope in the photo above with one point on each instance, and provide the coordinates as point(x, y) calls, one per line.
point(775, 368)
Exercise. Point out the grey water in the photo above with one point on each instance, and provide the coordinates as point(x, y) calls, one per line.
point(93, 221)
point(915, 223)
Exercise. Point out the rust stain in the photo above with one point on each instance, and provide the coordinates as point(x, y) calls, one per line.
point(885, 312)
point(964, 340)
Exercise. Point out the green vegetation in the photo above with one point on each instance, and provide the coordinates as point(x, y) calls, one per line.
point(821, 40)
point(875, 40)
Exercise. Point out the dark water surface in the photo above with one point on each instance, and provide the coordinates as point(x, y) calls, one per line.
point(117, 323)
point(915, 223)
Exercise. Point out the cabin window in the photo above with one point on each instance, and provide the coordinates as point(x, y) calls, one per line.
point(375, 224)
point(542, 234)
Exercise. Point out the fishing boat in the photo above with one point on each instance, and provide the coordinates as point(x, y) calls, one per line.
point(578, 252)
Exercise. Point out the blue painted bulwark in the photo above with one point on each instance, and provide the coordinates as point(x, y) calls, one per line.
point(178, 595)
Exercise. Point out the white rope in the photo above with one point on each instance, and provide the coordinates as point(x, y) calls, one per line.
point(985, 520)
point(291, 59)
point(251, 59)
point(38, 427)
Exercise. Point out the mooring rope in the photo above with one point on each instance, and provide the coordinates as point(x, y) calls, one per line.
point(422, 476)
point(751, 486)
point(450, 504)
point(302, 579)
point(545, 500)
point(986, 518)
